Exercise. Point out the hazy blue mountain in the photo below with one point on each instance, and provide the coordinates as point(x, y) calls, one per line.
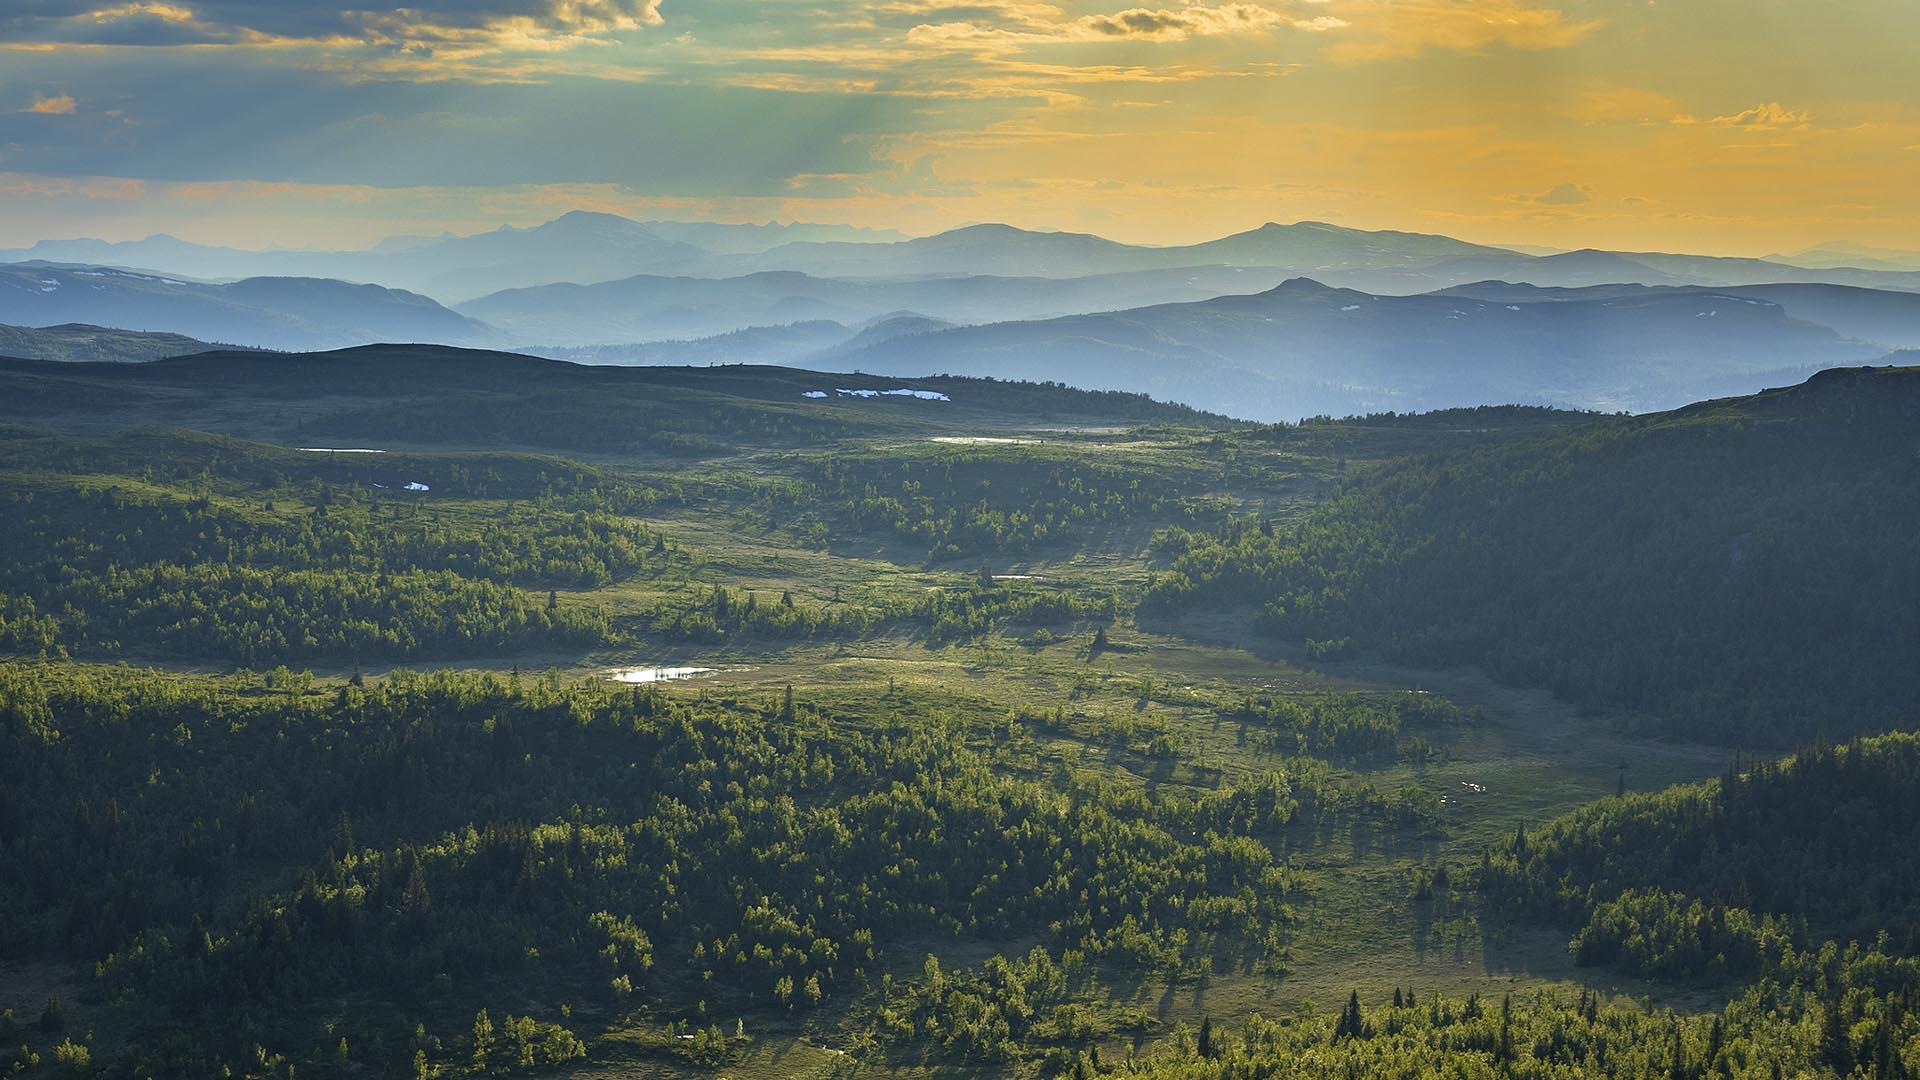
point(577, 246)
point(1575, 269)
point(1304, 348)
point(1003, 250)
point(893, 325)
point(751, 345)
point(1889, 319)
point(1839, 253)
point(83, 344)
point(652, 308)
point(1318, 245)
point(589, 248)
point(723, 238)
point(280, 313)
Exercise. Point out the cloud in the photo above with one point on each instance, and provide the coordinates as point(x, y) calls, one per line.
point(1132, 24)
point(420, 29)
point(51, 106)
point(1402, 29)
point(1771, 116)
point(1567, 194)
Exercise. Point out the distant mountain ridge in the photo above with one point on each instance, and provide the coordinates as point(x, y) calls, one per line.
point(273, 312)
point(585, 247)
point(1304, 348)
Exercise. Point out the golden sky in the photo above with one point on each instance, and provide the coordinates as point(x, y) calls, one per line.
point(1712, 125)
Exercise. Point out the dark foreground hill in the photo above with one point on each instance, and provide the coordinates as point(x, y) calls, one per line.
point(1743, 567)
point(78, 342)
point(421, 395)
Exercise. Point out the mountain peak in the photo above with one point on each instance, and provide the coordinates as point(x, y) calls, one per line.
point(1302, 286)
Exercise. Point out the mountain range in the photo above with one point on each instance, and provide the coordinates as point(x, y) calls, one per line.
point(587, 248)
point(1278, 322)
point(1304, 348)
point(281, 313)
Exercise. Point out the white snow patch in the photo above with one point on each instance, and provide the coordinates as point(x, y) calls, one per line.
point(414, 485)
point(923, 395)
point(1513, 307)
point(657, 674)
point(1351, 307)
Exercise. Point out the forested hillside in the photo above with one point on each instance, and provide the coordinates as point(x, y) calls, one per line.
point(796, 728)
point(1741, 569)
point(79, 343)
point(1735, 875)
point(179, 544)
point(237, 853)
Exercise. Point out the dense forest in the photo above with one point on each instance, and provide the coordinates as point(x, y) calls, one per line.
point(1734, 876)
point(970, 503)
point(1030, 753)
point(175, 544)
point(235, 853)
point(1741, 568)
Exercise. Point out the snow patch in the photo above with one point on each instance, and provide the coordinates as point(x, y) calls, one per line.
point(657, 674)
point(1351, 307)
point(923, 395)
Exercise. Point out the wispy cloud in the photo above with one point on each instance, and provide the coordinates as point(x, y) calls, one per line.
point(1401, 29)
point(1770, 116)
point(427, 31)
point(1563, 194)
point(63, 105)
point(1032, 27)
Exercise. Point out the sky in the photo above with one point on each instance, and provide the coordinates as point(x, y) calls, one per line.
point(1726, 126)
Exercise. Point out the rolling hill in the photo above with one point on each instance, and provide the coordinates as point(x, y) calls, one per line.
point(653, 308)
point(1876, 316)
point(1304, 348)
point(421, 395)
point(577, 246)
point(77, 342)
point(1737, 569)
point(284, 313)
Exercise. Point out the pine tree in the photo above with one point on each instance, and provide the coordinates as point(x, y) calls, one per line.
point(482, 1038)
point(1504, 1052)
point(54, 1016)
point(1352, 1024)
point(1206, 1037)
point(1836, 1049)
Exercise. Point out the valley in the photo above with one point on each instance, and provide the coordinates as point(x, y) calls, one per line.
point(976, 772)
